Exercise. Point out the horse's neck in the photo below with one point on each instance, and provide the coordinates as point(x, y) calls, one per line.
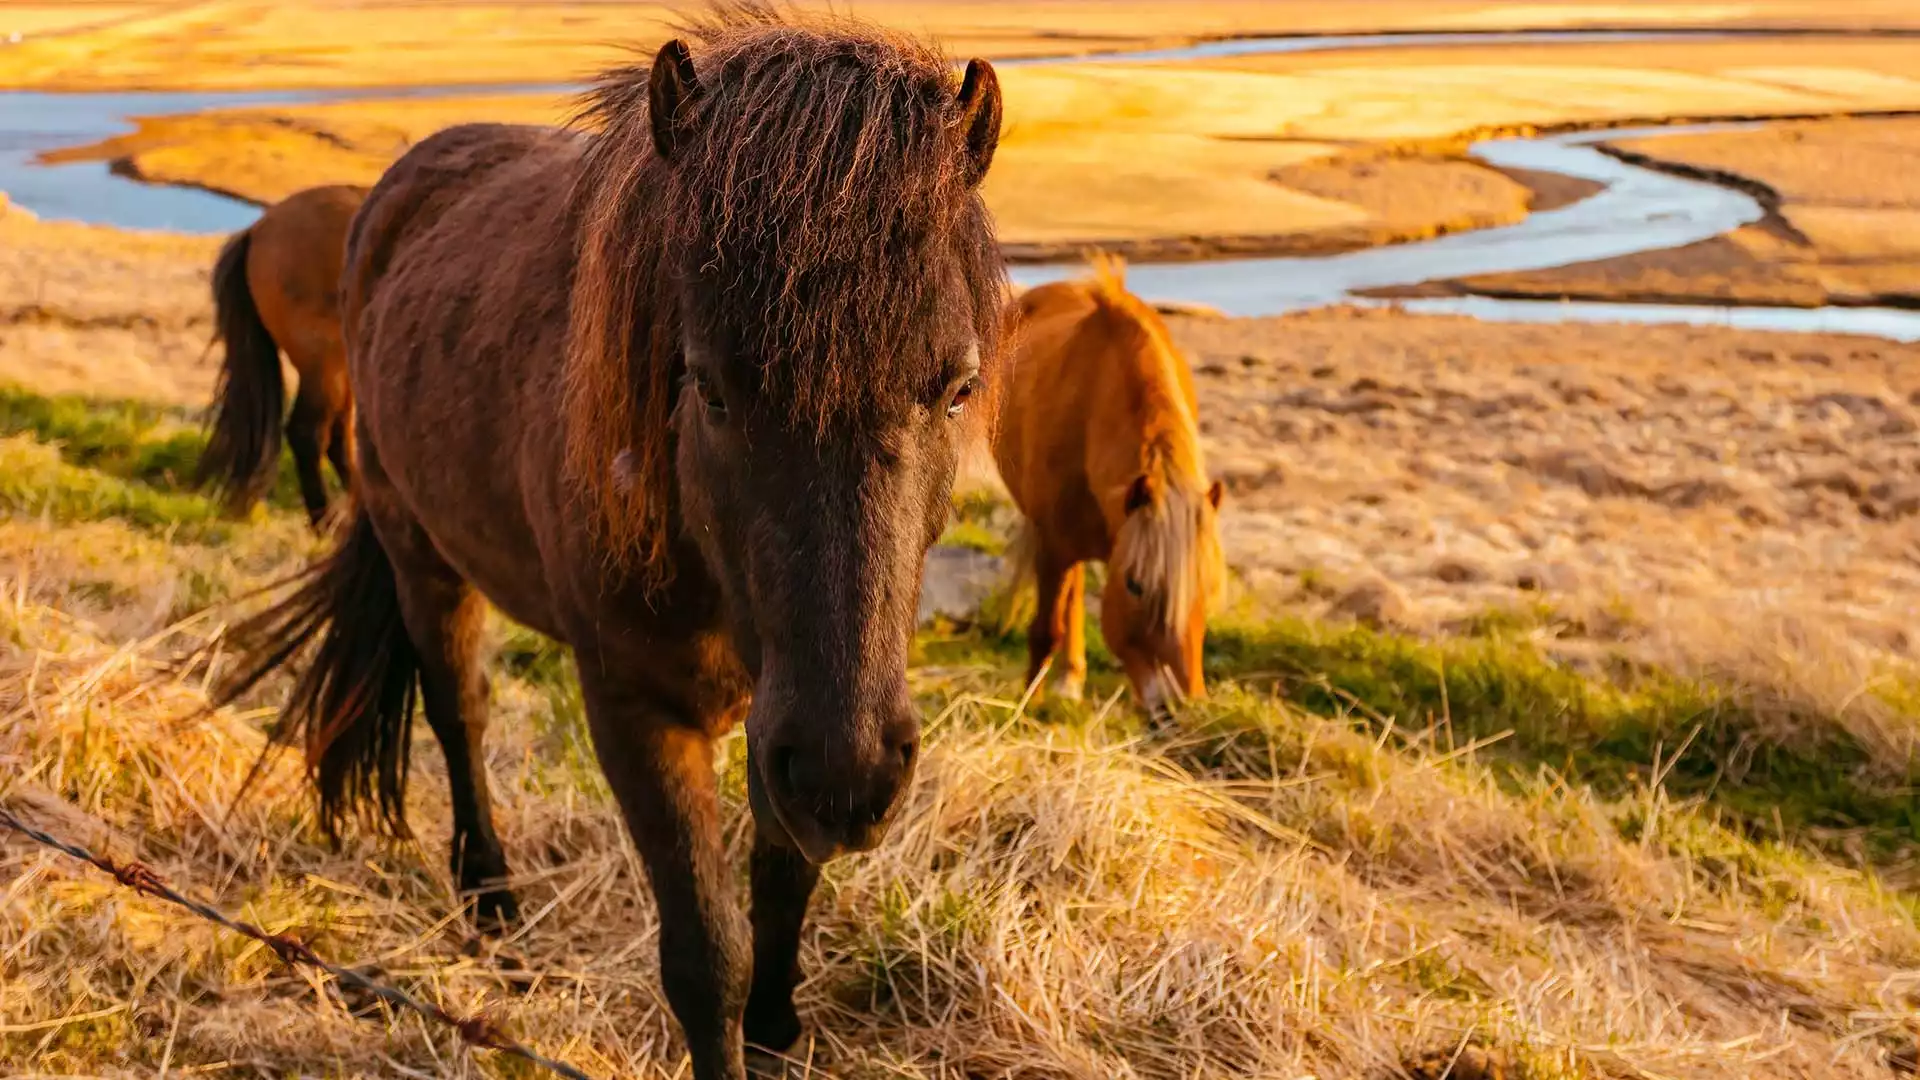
point(1165, 429)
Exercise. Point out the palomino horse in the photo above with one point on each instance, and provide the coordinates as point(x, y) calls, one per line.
point(1099, 444)
point(687, 395)
point(275, 287)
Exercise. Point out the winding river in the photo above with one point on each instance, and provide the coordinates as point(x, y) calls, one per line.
point(1637, 210)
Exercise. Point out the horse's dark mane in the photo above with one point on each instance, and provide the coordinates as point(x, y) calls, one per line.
point(820, 216)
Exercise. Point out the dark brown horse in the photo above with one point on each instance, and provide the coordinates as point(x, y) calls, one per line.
point(688, 396)
point(276, 288)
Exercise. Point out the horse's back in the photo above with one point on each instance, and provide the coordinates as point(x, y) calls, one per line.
point(458, 271)
point(297, 251)
point(451, 168)
point(1094, 369)
point(1041, 442)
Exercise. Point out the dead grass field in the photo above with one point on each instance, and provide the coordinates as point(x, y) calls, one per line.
point(1565, 709)
point(85, 309)
point(1843, 227)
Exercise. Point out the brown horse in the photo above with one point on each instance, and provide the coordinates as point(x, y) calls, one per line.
point(687, 395)
point(1099, 444)
point(275, 287)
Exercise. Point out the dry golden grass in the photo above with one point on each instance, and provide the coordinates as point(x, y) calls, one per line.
point(87, 309)
point(1273, 893)
point(1640, 817)
point(1654, 470)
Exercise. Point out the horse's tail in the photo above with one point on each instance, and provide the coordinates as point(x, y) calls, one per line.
point(1020, 574)
point(352, 707)
point(249, 400)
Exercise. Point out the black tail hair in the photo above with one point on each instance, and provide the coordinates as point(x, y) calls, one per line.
point(352, 707)
point(250, 399)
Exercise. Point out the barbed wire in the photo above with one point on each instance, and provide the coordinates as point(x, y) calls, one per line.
point(477, 1030)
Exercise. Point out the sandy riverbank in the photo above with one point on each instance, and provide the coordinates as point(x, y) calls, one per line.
point(1843, 223)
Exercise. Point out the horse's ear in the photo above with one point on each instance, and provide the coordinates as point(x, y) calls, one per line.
point(1139, 493)
point(672, 88)
point(1215, 493)
point(979, 118)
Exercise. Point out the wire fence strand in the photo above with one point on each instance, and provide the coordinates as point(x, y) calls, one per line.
point(476, 1030)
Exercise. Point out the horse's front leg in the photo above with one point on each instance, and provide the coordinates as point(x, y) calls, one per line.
point(783, 882)
point(660, 767)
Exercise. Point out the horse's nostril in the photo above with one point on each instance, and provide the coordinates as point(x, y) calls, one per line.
point(908, 750)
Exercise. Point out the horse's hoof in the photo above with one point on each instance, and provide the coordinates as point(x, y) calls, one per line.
point(1072, 688)
point(771, 1030)
point(495, 912)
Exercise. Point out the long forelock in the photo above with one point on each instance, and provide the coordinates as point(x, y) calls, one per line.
point(1167, 550)
point(819, 215)
point(825, 221)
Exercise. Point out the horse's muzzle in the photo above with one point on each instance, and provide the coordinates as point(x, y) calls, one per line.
point(837, 796)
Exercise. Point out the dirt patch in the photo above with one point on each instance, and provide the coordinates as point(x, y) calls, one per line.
point(1473, 465)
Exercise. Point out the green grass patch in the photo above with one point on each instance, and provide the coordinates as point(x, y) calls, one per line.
point(1815, 788)
point(36, 482)
point(152, 445)
point(979, 520)
point(974, 535)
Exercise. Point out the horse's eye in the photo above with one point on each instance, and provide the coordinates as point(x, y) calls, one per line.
point(1134, 587)
point(716, 405)
point(961, 396)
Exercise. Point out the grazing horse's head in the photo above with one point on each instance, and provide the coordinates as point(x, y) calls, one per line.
point(825, 290)
point(1165, 569)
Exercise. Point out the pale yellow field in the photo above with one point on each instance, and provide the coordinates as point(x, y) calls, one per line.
point(234, 43)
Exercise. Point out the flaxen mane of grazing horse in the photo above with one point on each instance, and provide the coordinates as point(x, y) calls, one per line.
point(275, 288)
point(687, 395)
point(1099, 445)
